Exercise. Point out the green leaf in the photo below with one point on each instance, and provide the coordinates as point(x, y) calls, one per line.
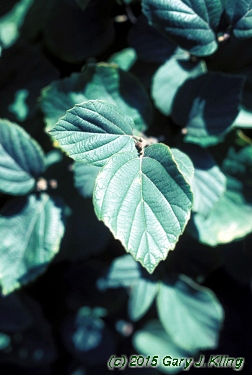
point(142, 294)
point(152, 340)
point(244, 119)
point(209, 183)
point(239, 15)
point(21, 159)
point(190, 24)
point(207, 120)
point(135, 197)
point(31, 230)
point(11, 23)
point(98, 81)
point(94, 131)
point(230, 219)
point(169, 77)
point(191, 314)
point(123, 272)
point(124, 59)
point(84, 178)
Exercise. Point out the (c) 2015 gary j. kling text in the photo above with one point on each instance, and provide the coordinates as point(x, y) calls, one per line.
point(137, 360)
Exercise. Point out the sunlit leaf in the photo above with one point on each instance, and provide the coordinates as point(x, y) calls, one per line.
point(93, 131)
point(131, 196)
point(189, 24)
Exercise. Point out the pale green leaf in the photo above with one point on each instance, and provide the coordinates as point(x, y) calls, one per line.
point(21, 159)
point(191, 314)
point(31, 230)
point(84, 178)
point(94, 131)
point(169, 77)
point(190, 24)
point(142, 295)
point(244, 119)
point(98, 81)
point(152, 340)
point(135, 197)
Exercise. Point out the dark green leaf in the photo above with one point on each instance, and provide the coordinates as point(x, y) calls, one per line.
point(239, 15)
point(142, 294)
point(190, 24)
point(94, 131)
point(131, 195)
point(191, 314)
point(98, 81)
point(207, 120)
point(31, 230)
point(151, 46)
point(21, 159)
point(169, 77)
point(84, 178)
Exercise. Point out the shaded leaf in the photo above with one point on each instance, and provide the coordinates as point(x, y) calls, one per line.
point(207, 120)
point(239, 15)
point(31, 230)
point(230, 219)
point(191, 314)
point(142, 295)
point(169, 77)
point(191, 24)
point(131, 196)
point(98, 81)
point(94, 131)
point(123, 272)
point(150, 45)
point(124, 58)
point(84, 178)
point(208, 183)
point(21, 159)
point(153, 340)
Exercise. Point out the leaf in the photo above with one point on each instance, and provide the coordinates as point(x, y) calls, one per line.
point(142, 295)
point(124, 59)
point(135, 198)
point(244, 119)
point(152, 340)
point(239, 15)
point(150, 45)
point(98, 81)
point(21, 159)
point(31, 230)
point(84, 178)
point(82, 3)
point(209, 183)
point(94, 131)
point(191, 314)
point(230, 219)
point(78, 44)
point(191, 24)
point(169, 77)
point(11, 23)
point(207, 120)
point(123, 272)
